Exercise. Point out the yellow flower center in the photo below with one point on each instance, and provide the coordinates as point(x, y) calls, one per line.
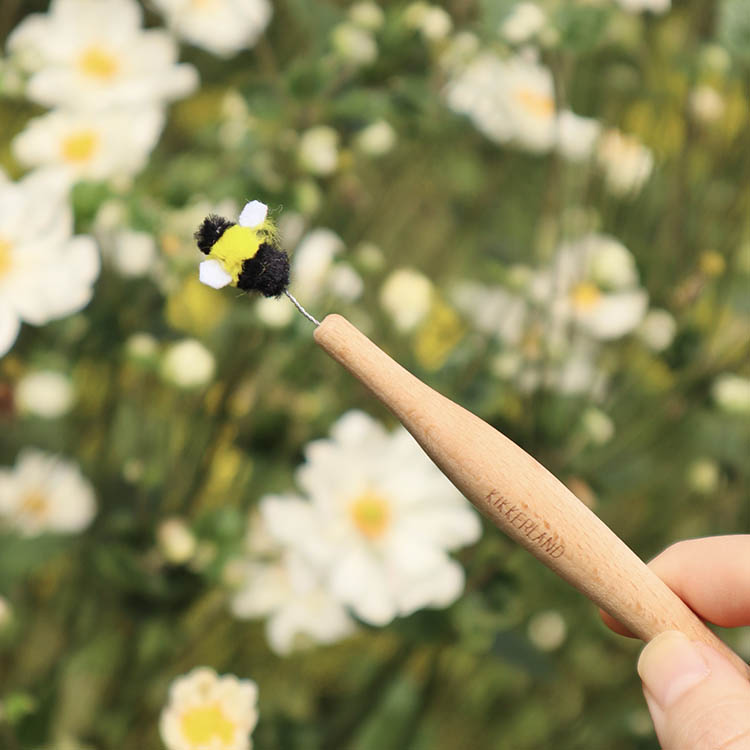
point(539, 105)
point(371, 514)
point(6, 260)
point(79, 147)
point(35, 504)
point(203, 724)
point(98, 63)
point(585, 295)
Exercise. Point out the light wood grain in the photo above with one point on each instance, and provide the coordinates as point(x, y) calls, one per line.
point(519, 495)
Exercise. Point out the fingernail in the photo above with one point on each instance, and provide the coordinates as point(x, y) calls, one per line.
point(669, 666)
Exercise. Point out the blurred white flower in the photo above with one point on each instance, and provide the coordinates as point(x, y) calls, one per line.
point(142, 346)
point(431, 21)
point(90, 145)
point(319, 150)
point(657, 329)
point(354, 44)
point(547, 630)
point(45, 273)
point(706, 104)
point(597, 425)
point(458, 51)
point(188, 364)
point(638, 6)
point(376, 139)
point(367, 14)
point(273, 313)
point(380, 521)
point(537, 351)
point(45, 394)
point(576, 136)
point(703, 475)
point(524, 21)
point(625, 162)
point(209, 712)
point(92, 54)
point(44, 493)
point(291, 594)
point(6, 612)
point(732, 393)
point(316, 271)
point(133, 252)
point(223, 27)
point(594, 283)
point(176, 540)
point(406, 296)
point(509, 101)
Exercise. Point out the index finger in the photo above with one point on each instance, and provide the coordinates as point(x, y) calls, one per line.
point(711, 575)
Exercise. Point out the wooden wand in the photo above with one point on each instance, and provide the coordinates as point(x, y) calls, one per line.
point(519, 495)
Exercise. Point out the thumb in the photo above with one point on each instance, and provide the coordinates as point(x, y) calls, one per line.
point(697, 699)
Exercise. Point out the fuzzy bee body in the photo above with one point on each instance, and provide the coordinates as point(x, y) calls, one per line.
point(245, 255)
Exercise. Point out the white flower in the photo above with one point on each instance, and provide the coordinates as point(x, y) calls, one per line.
point(6, 613)
point(223, 27)
point(576, 136)
point(45, 493)
point(547, 630)
point(188, 364)
point(367, 14)
point(380, 521)
point(176, 540)
point(431, 21)
point(597, 425)
point(376, 139)
point(638, 6)
point(94, 54)
point(732, 393)
point(273, 314)
point(91, 145)
point(209, 712)
point(703, 475)
point(45, 394)
point(142, 346)
point(625, 161)
point(133, 252)
point(406, 295)
point(459, 49)
point(315, 270)
point(300, 610)
point(657, 329)
point(706, 104)
point(537, 350)
point(319, 150)
point(354, 44)
point(525, 21)
point(507, 100)
point(594, 283)
point(45, 273)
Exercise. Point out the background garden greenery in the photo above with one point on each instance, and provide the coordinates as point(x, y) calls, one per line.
point(97, 624)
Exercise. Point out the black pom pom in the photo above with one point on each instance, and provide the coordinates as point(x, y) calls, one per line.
point(210, 230)
point(266, 272)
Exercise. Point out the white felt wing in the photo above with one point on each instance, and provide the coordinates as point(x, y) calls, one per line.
point(254, 214)
point(212, 274)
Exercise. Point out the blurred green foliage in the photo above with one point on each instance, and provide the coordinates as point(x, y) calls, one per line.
point(101, 624)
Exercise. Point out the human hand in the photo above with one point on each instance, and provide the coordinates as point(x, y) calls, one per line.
point(697, 699)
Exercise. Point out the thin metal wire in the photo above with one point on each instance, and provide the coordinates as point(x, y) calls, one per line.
point(301, 309)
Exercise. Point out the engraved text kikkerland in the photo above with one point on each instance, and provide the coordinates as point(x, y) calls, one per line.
point(545, 540)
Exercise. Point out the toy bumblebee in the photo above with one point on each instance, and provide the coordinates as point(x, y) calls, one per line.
point(245, 255)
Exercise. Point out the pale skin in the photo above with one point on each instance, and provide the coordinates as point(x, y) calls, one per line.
point(697, 700)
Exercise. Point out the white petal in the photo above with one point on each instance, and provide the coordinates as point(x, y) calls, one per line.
point(9, 326)
point(254, 214)
point(212, 274)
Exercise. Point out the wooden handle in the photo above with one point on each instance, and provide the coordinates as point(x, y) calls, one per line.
point(519, 495)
